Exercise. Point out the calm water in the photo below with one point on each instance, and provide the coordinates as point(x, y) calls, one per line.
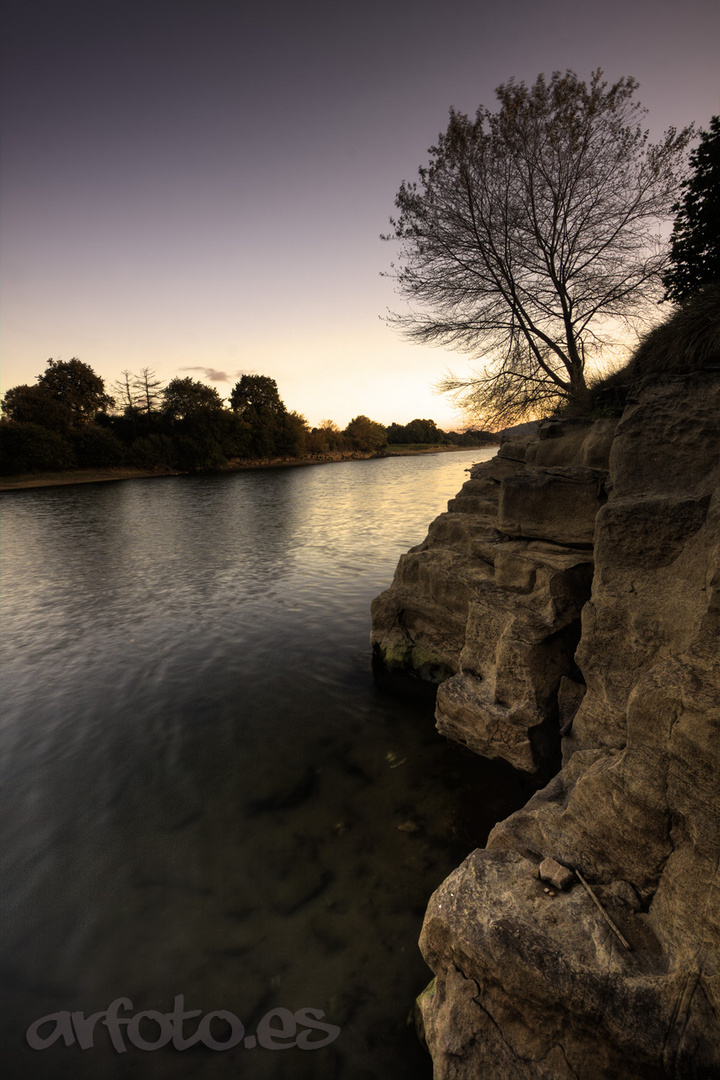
point(204, 792)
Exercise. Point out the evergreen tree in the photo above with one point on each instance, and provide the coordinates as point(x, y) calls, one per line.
point(695, 242)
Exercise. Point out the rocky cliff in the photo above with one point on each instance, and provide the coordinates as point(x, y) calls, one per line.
point(568, 604)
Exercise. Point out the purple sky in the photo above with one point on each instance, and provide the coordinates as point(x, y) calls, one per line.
point(198, 186)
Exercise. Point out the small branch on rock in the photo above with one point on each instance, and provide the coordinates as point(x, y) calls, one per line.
point(603, 912)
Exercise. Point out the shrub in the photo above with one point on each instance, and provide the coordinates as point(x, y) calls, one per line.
point(28, 448)
point(95, 446)
point(152, 452)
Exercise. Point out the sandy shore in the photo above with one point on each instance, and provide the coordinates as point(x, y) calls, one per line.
point(95, 476)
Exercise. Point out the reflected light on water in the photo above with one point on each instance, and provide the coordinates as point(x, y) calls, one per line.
point(205, 792)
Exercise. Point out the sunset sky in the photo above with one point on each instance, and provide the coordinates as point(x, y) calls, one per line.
point(199, 186)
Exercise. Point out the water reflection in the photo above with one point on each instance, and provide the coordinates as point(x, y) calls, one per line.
point(204, 791)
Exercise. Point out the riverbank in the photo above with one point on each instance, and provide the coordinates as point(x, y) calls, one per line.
point(566, 606)
point(95, 476)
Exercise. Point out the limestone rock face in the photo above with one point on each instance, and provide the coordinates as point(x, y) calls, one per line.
point(556, 504)
point(489, 605)
point(538, 987)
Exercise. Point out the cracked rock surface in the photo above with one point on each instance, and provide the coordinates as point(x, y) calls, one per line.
point(610, 653)
point(538, 987)
point(489, 605)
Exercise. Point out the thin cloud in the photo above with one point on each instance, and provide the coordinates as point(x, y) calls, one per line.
point(213, 375)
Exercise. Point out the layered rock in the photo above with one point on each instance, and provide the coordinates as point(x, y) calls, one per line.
point(532, 980)
point(534, 986)
point(489, 604)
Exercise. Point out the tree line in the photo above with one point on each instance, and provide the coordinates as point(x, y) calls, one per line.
point(68, 420)
point(427, 433)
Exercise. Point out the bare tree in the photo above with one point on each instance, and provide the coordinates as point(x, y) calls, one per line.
point(124, 392)
point(531, 237)
point(148, 391)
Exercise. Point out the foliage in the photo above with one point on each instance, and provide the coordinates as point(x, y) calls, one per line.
point(366, 434)
point(95, 446)
point(326, 439)
point(75, 385)
point(417, 431)
point(695, 242)
point(183, 398)
point(687, 341)
point(527, 238)
point(27, 448)
point(192, 432)
point(273, 430)
point(197, 451)
point(36, 405)
point(474, 437)
point(257, 395)
point(291, 435)
point(152, 452)
point(426, 433)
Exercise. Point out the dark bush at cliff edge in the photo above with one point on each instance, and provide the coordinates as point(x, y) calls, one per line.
point(688, 341)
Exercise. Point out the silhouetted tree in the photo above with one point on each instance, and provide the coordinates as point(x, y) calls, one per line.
point(256, 400)
point(695, 241)
point(325, 439)
point(123, 393)
point(256, 394)
point(147, 391)
point(75, 385)
point(184, 398)
point(423, 431)
point(366, 434)
point(528, 235)
point(154, 451)
point(36, 405)
point(291, 434)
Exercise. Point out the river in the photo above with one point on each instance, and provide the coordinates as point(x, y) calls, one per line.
point(208, 803)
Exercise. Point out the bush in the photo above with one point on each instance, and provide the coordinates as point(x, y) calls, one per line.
point(197, 453)
point(291, 435)
point(688, 341)
point(152, 452)
point(28, 448)
point(95, 446)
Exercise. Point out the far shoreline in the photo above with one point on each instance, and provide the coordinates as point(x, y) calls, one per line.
point(69, 477)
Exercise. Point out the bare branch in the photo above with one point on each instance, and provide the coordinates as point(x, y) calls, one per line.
point(530, 232)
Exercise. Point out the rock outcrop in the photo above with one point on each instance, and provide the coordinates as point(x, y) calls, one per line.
point(531, 981)
point(489, 604)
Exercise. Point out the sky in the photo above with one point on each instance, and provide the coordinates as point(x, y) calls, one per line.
point(199, 186)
